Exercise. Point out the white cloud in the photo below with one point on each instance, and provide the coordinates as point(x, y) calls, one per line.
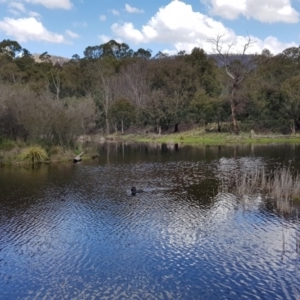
point(80, 24)
point(132, 10)
point(179, 25)
point(34, 14)
point(102, 17)
point(64, 4)
point(104, 38)
point(25, 29)
point(72, 34)
point(115, 12)
point(268, 11)
point(128, 31)
point(14, 12)
point(18, 6)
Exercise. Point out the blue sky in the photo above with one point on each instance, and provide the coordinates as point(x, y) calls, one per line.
point(67, 27)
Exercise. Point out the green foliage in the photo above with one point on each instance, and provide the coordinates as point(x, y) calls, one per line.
point(7, 145)
point(291, 105)
point(10, 48)
point(122, 112)
point(109, 49)
point(112, 85)
point(35, 154)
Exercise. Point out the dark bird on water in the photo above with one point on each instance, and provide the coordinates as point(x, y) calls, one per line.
point(134, 191)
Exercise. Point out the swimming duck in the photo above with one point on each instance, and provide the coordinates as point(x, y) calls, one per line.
point(134, 191)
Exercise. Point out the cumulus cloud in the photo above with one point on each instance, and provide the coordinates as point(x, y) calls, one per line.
point(267, 11)
point(177, 24)
point(25, 29)
point(72, 34)
point(132, 10)
point(63, 4)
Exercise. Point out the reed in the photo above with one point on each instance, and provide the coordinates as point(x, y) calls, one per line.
point(280, 185)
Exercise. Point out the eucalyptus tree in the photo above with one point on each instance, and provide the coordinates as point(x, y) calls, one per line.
point(237, 66)
point(266, 105)
point(122, 112)
point(142, 53)
point(10, 48)
point(172, 84)
point(132, 83)
point(103, 73)
point(110, 49)
point(206, 104)
point(290, 89)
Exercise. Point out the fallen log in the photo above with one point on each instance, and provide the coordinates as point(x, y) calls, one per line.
point(78, 158)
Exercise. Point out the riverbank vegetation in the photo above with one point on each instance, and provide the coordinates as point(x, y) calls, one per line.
point(200, 137)
point(281, 186)
point(115, 90)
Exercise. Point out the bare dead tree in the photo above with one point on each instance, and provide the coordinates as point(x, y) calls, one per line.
point(133, 85)
point(237, 66)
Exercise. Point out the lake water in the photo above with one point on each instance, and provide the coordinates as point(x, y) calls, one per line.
point(74, 231)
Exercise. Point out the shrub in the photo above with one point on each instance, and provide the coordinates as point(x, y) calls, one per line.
point(35, 154)
point(7, 145)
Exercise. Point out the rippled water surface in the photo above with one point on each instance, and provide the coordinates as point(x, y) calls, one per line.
point(74, 231)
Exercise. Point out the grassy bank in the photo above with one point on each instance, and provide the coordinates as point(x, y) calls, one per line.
point(200, 137)
point(11, 152)
point(18, 153)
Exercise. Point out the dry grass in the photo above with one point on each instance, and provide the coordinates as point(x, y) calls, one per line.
point(281, 185)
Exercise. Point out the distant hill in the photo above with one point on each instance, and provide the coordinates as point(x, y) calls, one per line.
point(55, 59)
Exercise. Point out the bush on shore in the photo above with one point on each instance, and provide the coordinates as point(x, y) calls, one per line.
point(34, 154)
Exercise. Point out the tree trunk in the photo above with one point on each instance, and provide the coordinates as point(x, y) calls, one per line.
point(116, 127)
point(293, 128)
point(219, 125)
point(158, 129)
point(176, 128)
point(122, 125)
point(234, 123)
point(107, 125)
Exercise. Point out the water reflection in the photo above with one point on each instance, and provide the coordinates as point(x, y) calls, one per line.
point(75, 231)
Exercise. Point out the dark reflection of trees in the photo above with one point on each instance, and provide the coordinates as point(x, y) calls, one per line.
point(23, 187)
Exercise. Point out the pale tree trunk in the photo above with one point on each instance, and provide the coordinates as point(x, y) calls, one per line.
point(234, 123)
point(107, 125)
point(158, 129)
point(116, 127)
point(56, 83)
point(122, 124)
point(293, 128)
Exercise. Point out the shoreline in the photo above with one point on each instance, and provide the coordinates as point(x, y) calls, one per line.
point(57, 154)
point(192, 138)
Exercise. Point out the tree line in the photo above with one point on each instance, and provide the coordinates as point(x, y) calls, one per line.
point(113, 88)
